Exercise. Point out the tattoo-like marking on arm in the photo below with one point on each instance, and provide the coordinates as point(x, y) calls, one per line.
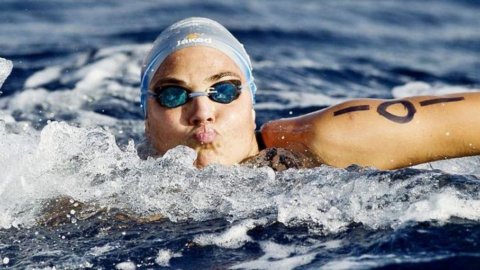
point(382, 110)
point(352, 109)
point(440, 100)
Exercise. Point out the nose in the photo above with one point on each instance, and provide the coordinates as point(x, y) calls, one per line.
point(202, 111)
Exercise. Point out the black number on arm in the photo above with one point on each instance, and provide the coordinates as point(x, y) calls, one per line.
point(352, 109)
point(440, 100)
point(382, 110)
point(402, 119)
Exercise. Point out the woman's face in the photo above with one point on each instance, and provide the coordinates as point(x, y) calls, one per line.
point(219, 133)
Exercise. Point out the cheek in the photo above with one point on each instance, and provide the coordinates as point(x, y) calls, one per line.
point(163, 122)
point(242, 116)
point(239, 121)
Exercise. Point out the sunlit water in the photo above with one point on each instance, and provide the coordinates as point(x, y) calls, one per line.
point(74, 193)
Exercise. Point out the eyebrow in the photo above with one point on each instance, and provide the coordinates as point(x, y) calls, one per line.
point(169, 80)
point(213, 78)
point(220, 75)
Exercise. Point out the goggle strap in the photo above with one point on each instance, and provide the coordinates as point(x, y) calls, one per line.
point(200, 94)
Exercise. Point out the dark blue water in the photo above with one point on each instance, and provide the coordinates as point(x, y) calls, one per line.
point(78, 62)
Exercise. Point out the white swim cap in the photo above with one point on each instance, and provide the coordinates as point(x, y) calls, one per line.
point(194, 32)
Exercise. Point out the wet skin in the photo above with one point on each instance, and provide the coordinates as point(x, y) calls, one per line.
point(386, 134)
point(219, 133)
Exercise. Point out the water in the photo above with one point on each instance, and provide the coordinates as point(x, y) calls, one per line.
point(75, 195)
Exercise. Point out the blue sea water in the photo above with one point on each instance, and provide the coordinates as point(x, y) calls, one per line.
point(70, 120)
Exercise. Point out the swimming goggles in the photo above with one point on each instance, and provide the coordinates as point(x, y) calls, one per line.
point(175, 96)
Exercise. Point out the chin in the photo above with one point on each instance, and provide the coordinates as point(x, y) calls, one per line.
point(201, 162)
point(205, 159)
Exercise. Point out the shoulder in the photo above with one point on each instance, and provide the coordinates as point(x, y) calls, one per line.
point(280, 159)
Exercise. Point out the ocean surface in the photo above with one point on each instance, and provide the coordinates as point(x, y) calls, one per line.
point(75, 195)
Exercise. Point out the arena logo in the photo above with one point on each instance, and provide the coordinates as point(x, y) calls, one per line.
point(194, 38)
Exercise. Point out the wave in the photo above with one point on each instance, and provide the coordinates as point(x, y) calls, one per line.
point(88, 166)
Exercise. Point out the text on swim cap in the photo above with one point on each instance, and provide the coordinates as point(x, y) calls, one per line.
point(193, 38)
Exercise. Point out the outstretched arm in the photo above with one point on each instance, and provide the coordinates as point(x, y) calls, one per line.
point(386, 134)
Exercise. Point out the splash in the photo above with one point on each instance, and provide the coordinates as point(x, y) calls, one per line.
point(87, 165)
point(5, 69)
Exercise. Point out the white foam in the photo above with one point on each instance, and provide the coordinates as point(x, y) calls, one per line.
point(441, 207)
point(362, 262)
point(164, 256)
point(5, 70)
point(43, 77)
point(281, 257)
point(36, 167)
point(97, 251)
point(327, 204)
point(235, 237)
point(419, 88)
point(87, 165)
point(368, 261)
point(6, 118)
point(294, 99)
point(106, 80)
point(126, 266)
point(333, 244)
point(464, 165)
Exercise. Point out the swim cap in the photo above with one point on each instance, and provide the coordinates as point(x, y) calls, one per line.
point(190, 32)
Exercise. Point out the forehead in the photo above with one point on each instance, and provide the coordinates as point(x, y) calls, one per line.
point(196, 62)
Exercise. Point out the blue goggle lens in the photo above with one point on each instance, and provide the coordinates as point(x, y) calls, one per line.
point(172, 97)
point(175, 96)
point(224, 93)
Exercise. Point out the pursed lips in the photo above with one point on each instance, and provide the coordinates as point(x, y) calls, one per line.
point(205, 134)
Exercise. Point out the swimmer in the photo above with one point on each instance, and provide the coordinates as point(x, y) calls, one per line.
point(198, 90)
